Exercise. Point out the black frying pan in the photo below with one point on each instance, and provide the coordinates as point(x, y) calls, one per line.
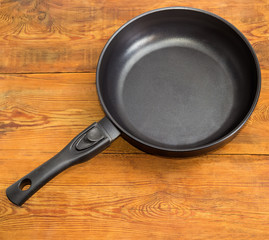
point(173, 81)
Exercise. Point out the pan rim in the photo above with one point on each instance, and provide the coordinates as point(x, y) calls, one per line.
point(190, 149)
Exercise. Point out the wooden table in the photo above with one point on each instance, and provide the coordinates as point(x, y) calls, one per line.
point(49, 52)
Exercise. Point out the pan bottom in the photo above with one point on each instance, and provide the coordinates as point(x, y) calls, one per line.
point(176, 96)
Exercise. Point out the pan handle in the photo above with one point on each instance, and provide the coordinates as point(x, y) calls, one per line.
point(93, 140)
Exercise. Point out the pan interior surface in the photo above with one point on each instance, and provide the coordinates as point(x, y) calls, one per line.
point(177, 79)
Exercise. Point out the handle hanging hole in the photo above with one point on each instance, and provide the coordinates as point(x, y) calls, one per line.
point(25, 184)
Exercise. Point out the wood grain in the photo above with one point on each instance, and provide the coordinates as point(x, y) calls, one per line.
point(68, 36)
point(126, 196)
point(40, 108)
point(49, 51)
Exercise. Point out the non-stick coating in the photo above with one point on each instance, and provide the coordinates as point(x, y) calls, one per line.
point(178, 79)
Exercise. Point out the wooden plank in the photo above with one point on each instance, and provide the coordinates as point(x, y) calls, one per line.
point(68, 36)
point(128, 196)
point(43, 112)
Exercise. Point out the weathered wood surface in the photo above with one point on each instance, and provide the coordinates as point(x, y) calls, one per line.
point(68, 36)
point(130, 196)
point(48, 54)
point(39, 109)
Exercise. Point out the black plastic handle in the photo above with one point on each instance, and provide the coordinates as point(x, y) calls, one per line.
point(86, 145)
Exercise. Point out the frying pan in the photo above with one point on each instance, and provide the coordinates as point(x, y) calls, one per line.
point(173, 81)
